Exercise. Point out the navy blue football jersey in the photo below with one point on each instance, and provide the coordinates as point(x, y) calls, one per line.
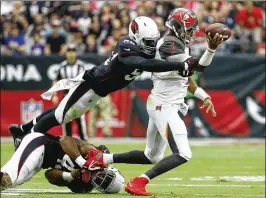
point(116, 72)
point(55, 157)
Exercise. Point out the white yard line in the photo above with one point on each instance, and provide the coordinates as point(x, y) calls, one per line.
point(25, 191)
point(212, 195)
point(207, 185)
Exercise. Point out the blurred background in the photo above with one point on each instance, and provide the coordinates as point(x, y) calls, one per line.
point(35, 36)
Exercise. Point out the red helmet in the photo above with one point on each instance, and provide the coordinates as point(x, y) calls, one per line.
point(183, 22)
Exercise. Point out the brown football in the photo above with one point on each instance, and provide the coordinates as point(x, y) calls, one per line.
point(219, 28)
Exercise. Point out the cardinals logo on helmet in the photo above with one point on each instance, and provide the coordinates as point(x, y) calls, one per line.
point(134, 27)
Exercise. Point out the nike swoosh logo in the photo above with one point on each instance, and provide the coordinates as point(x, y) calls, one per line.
point(127, 49)
point(93, 163)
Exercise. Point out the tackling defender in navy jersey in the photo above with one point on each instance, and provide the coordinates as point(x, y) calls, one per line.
point(41, 151)
point(132, 55)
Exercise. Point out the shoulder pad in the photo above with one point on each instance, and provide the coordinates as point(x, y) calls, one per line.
point(127, 47)
point(169, 45)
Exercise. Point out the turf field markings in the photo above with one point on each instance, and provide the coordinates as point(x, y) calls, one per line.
point(230, 178)
point(207, 185)
point(174, 179)
point(215, 195)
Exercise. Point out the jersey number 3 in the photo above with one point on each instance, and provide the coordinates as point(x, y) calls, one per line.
point(133, 75)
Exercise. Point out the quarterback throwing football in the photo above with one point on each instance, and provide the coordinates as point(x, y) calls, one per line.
point(166, 101)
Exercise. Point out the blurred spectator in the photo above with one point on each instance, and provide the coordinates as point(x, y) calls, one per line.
point(34, 8)
point(110, 20)
point(18, 15)
point(160, 23)
point(249, 20)
point(91, 45)
point(95, 26)
point(36, 26)
point(111, 41)
point(76, 38)
point(85, 19)
point(54, 18)
point(37, 49)
point(14, 42)
point(56, 42)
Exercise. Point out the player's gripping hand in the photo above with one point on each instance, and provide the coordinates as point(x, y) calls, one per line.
point(94, 160)
point(214, 42)
point(209, 105)
point(85, 176)
point(190, 65)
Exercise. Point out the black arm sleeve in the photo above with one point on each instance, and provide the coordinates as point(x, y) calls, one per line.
point(151, 65)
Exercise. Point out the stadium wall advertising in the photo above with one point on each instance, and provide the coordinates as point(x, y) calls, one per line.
point(235, 83)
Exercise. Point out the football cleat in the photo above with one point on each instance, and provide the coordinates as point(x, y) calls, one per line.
point(16, 133)
point(136, 186)
point(94, 160)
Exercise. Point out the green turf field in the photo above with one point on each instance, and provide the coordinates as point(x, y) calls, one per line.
point(215, 171)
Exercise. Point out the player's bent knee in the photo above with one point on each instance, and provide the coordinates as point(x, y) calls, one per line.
point(187, 154)
point(58, 116)
point(154, 159)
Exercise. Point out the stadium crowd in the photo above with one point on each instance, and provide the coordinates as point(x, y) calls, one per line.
point(45, 27)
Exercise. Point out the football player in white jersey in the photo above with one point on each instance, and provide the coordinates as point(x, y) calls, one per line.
point(166, 101)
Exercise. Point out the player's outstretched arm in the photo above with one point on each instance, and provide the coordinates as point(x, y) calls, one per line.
point(202, 95)
point(206, 59)
point(153, 65)
point(76, 149)
point(62, 178)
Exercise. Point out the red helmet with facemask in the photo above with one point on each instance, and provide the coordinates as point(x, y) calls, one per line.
point(183, 22)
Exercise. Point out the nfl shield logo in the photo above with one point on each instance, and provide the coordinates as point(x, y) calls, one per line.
point(30, 110)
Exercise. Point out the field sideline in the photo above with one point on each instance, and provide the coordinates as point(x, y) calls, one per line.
point(219, 168)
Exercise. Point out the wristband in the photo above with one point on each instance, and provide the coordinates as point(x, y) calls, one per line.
point(201, 94)
point(67, 176)
point(211, 50)
point(80, 161)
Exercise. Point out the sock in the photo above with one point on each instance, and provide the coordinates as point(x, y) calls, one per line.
point(46, 123)
point(165, 165)
point(131, 157)
point(145, 176)
point(28, 126)
point(108, 158)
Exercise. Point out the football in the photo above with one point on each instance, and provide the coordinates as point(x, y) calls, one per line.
point(219, 28)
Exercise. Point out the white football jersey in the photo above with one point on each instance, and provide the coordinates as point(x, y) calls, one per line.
point(170, 87)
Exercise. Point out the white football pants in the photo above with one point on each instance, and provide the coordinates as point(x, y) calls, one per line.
point(166, 127)
point(78, 101)
point(27, 160)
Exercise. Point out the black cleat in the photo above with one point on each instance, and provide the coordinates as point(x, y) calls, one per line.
point(15, 131)
point(17, 134)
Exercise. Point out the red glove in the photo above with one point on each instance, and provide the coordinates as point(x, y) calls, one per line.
point(85, 176)
point(94, 160)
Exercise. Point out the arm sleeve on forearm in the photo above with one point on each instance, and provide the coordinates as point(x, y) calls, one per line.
point(206, 58)
point(151, 65)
